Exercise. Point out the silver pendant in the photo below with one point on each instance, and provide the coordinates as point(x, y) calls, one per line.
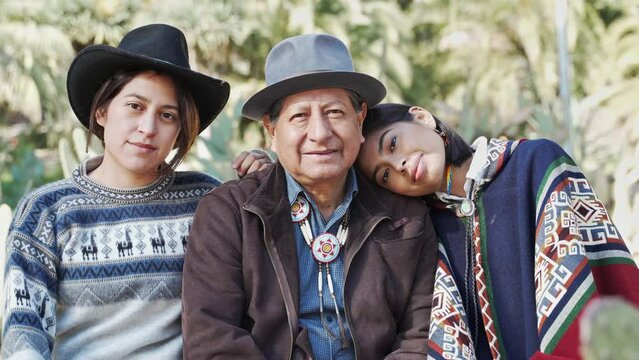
point(466, 208)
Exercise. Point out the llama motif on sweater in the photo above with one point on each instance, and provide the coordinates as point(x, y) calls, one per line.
point(97, 272)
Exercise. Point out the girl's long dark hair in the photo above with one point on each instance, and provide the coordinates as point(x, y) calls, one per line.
point(457, 149)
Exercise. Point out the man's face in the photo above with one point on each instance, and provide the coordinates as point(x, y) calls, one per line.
point(317, 135)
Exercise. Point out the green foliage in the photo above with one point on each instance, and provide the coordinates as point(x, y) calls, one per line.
point(23, 171)
point(221, 142)
point(609, 330)
point(33, 65)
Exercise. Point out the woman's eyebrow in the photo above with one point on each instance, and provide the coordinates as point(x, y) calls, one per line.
point(138, 96)
point(381, 141)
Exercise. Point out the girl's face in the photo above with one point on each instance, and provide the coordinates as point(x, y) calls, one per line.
point(141, 125)
point(406, 157)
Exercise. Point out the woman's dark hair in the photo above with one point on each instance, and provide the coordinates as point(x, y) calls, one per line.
point(188, 112)
point(456, 149)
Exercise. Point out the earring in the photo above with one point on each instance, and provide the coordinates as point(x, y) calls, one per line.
point(442, 135)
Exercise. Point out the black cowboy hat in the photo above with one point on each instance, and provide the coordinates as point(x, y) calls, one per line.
point(156, 47)
point(307, 62)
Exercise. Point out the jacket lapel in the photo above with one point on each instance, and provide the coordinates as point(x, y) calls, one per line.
point(366, 212)
point(270, 202)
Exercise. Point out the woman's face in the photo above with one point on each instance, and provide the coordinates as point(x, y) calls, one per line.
point(406, 157)
point(141, 125)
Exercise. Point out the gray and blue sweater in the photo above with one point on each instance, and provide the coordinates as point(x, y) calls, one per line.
point(95, 272)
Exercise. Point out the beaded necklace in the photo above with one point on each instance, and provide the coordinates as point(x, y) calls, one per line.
point(449, 179)
point(325, 248)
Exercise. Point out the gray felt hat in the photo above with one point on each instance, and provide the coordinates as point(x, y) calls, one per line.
point(307, 62)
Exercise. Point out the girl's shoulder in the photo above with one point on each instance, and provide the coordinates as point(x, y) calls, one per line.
point(540, 164)
point(538, 154)
point(540, 147)
point(530, 161)
point(195, 178)
point(45, 197)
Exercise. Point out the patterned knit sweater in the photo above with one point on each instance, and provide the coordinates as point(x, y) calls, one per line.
point(514, 278)
point(96, 273)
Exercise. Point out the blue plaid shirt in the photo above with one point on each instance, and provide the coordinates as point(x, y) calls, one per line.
point(324, 347)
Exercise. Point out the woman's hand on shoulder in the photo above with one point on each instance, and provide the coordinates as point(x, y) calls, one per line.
point(249, 161)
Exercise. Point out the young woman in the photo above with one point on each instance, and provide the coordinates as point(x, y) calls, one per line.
point(94, 262)
point(525, 243)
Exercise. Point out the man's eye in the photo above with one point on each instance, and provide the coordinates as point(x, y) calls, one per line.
point(393, 142)
point(385, 176)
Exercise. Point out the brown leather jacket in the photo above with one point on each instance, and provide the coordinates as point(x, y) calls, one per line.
point(241, 282)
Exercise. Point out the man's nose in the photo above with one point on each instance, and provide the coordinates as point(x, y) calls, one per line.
point(319, 128)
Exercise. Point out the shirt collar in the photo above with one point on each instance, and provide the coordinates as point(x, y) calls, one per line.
point(294, 188)
point(475, 171)
point(477, 165)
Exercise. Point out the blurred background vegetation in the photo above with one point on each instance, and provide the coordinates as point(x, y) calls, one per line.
point(488, 67)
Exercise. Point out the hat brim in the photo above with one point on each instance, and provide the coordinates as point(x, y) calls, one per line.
point(369, 88)
point(95, 64)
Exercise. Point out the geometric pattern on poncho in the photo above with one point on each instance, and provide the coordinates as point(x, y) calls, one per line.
point(449, 336)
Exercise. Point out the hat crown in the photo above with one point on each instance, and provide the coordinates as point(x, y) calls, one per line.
point(304, 54)
point(158, 41)
point(308, 62)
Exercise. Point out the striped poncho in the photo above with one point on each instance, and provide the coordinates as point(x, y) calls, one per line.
point(514, 278)
point(96, 273)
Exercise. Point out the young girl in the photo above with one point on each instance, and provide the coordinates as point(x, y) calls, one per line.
point(525, 244)
point(94, 262)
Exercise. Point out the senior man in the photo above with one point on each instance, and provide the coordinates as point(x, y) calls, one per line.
point(308, 259)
